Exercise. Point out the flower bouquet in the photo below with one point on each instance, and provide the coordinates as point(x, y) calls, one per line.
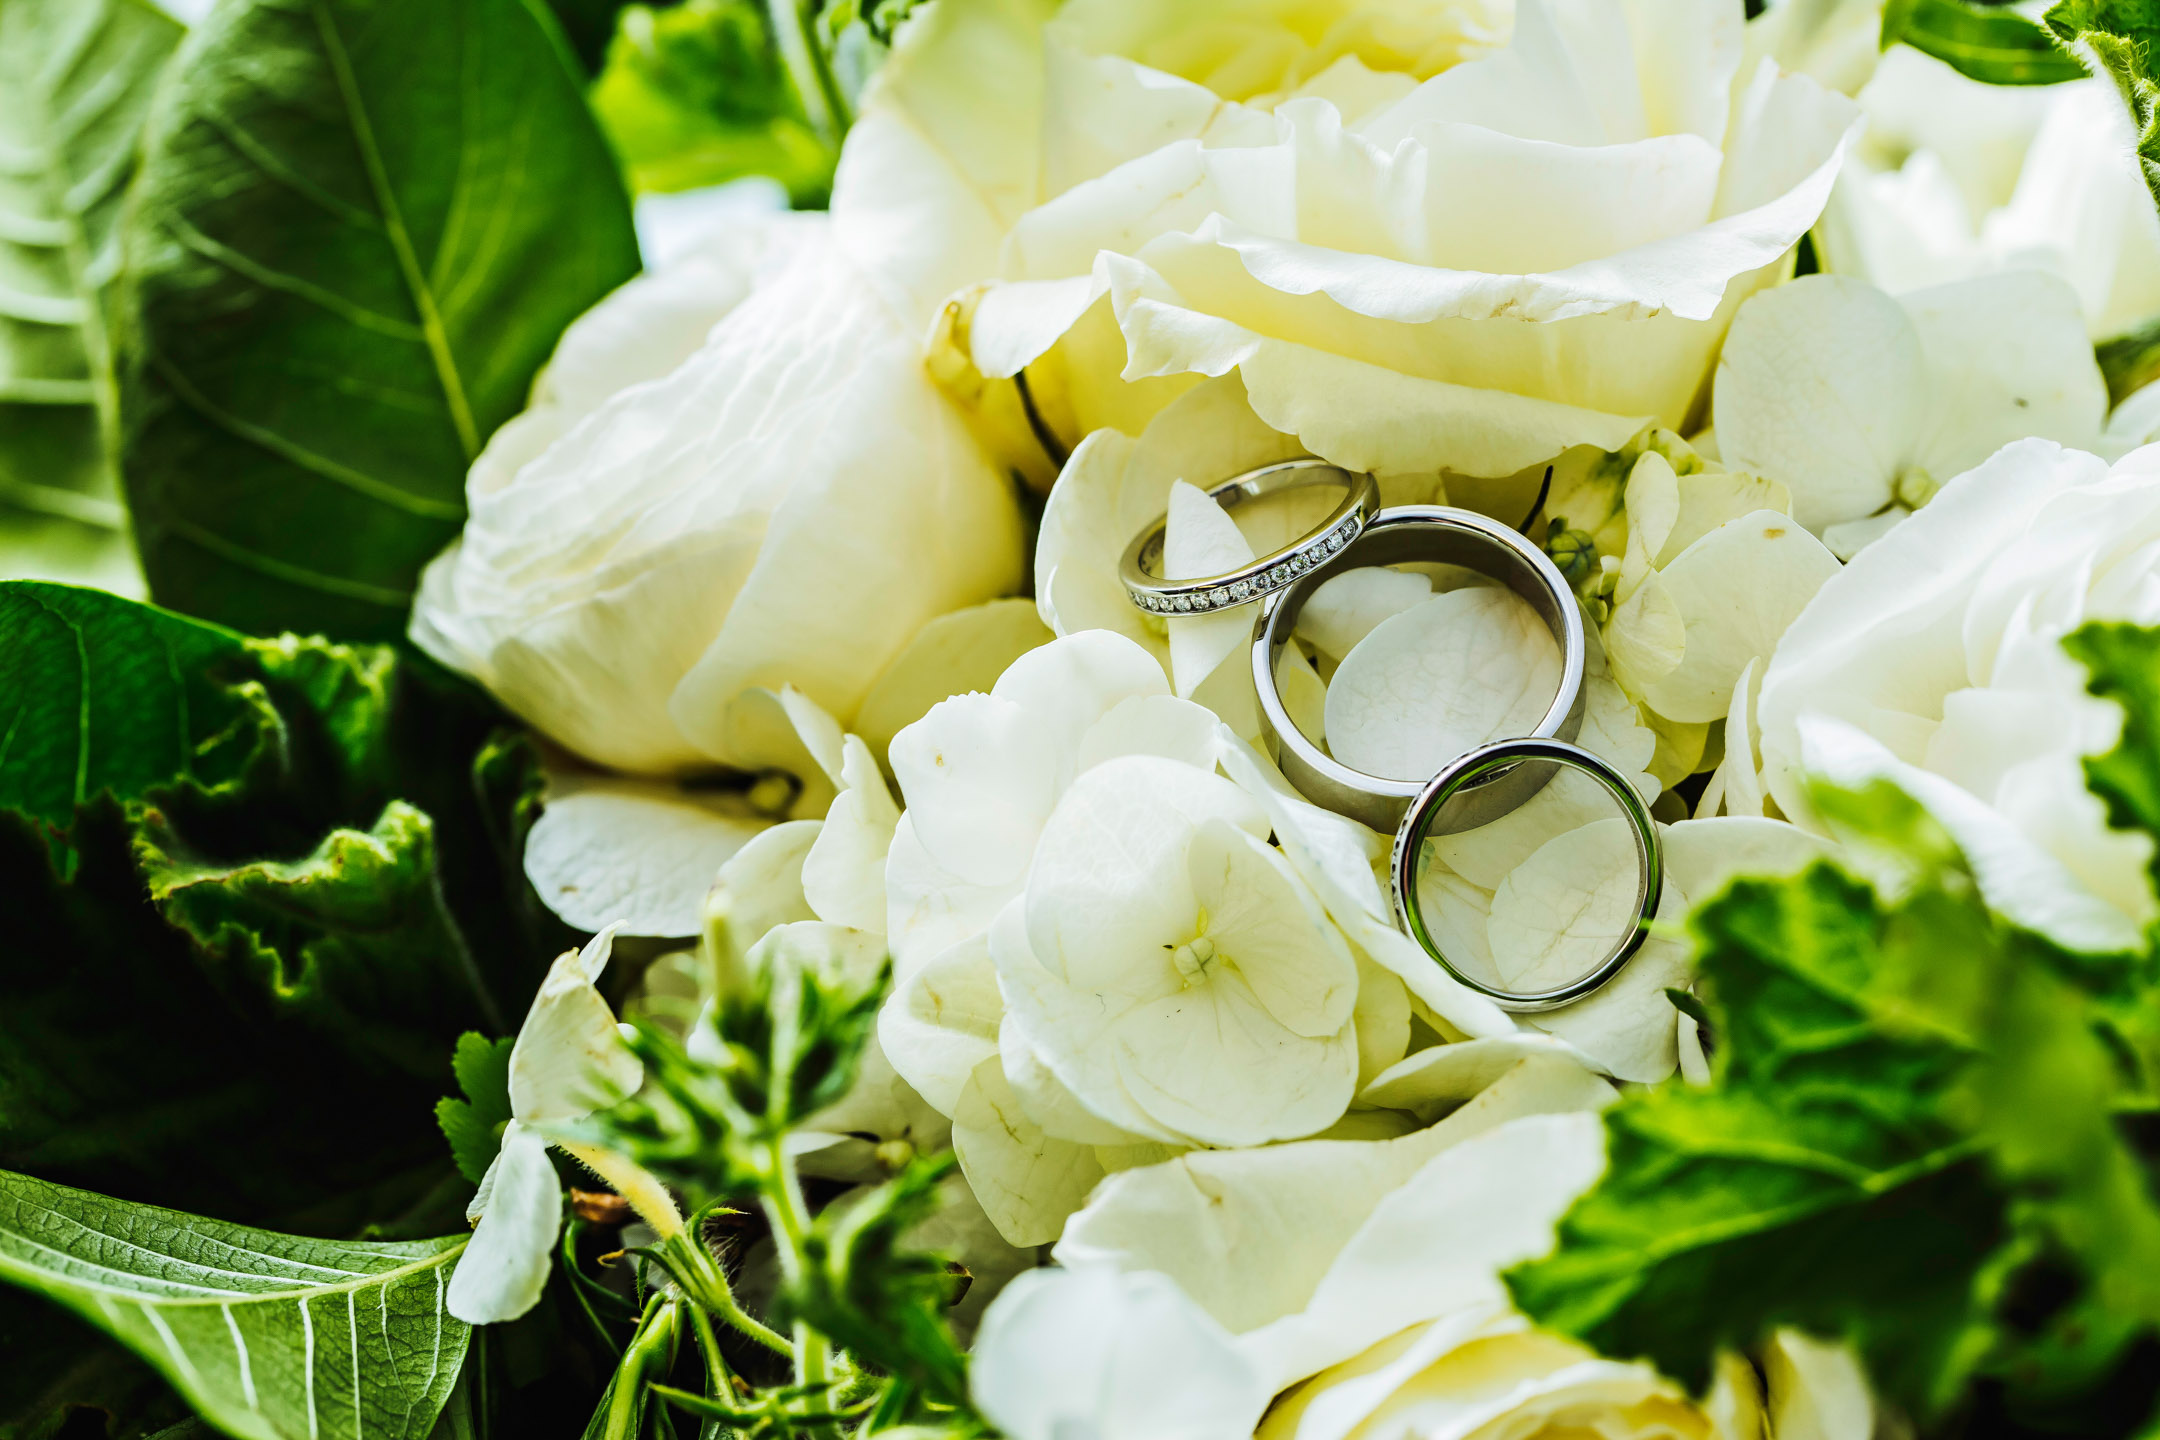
point(1121, 720)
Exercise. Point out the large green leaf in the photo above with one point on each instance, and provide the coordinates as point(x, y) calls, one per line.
point(272, 1337)
point(360, 227)
point(75, 79)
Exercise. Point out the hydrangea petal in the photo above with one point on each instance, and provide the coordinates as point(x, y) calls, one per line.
point(1448, 674)
point(610, 849)
point(942, 1021)
point(507, 1262)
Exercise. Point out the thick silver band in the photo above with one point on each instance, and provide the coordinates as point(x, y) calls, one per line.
point(1501, 758)
point(1202, 595)
point(1410, 534)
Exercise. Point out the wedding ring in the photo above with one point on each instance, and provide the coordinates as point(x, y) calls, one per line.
point(1422, 820)
point(1142, 565)
point(1421, 534)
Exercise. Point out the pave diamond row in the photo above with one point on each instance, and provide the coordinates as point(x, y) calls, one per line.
point(1238, 592)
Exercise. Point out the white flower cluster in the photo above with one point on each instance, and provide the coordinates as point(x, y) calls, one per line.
point(752, 554)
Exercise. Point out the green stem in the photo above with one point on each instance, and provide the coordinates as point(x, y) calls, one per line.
point(809, 69)
point(652, 1348)
point(790, 1215)
point(700, 1275)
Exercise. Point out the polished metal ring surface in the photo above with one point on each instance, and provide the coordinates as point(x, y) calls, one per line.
point(1418, 534)
point(1142, 566)
point(1464, 773)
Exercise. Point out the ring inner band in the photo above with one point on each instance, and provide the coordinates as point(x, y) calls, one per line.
point(1424, 534)
point(1468, 772)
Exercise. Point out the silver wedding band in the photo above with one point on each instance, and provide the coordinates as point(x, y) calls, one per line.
point(1413, 534)
point(1142, 566)
point(1419, 823)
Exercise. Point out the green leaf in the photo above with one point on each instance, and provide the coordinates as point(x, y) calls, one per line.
point(1913, 1113)
point(271, 1337)
point(2115, 38)
point(1987, 42)
point(1814, 1185)
point(474, 1125)
point(75, 79)
point(103, 695)
point(700, 94)
point(352, 936)
point(360, 227)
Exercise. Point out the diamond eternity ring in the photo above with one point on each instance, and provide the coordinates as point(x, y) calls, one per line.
point(1201, 595)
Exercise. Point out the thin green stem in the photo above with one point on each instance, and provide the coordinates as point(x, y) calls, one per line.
point(701, 1278)
point(790, 1215)
point(650, 1349)
point(809, 69)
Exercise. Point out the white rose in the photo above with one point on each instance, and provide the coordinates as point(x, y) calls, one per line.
point(1379, 1309)
point(683, 526)
point(787, 505)
point(1934, 658)
point(1956, 178)
point(1415, 264)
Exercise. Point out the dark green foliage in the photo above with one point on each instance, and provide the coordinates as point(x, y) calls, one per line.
point(2116, 38)
point(234, 986)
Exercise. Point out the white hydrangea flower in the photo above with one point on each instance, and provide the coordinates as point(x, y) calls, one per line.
point(1171, 970)
point(568, 1061)
point(981, 774)
point(1862, 405)
point(1934, 658)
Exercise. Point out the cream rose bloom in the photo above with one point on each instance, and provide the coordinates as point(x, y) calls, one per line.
point(1421, 255)
point(1935, 659)
point(734, 502)
point(1379, 1311)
